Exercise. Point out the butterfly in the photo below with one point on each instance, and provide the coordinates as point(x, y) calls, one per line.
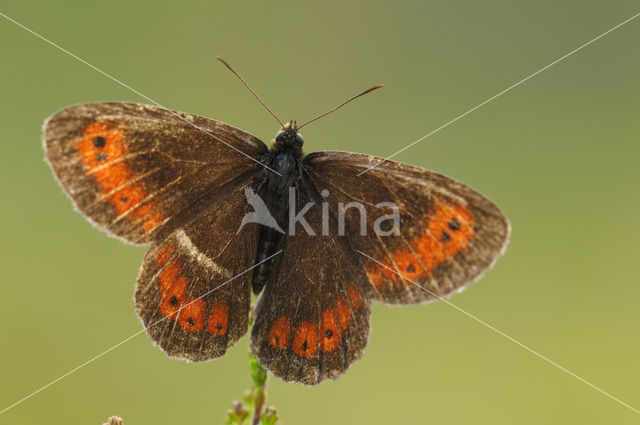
point(344, 230)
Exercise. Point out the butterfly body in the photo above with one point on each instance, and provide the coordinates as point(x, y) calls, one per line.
point(285, 163)
point(319, 237)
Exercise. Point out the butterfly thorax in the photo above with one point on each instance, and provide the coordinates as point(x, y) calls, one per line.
point(284, 161)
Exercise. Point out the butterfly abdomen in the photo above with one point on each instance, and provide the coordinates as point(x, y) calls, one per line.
point(275, 193)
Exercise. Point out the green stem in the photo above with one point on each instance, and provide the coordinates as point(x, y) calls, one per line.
point(253, 405)
point(259, 377)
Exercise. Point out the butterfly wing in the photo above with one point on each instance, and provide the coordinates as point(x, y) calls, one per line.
point(193, 290)
point(139, 172)
point(312, 320)
point(447, 233)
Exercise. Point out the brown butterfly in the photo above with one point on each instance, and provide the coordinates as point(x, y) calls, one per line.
point(338, 231)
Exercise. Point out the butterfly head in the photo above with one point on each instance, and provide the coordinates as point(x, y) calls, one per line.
point(288, 137)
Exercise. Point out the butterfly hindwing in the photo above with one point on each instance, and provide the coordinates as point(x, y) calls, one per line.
point(193, 291)
point(312, 320)
point(139, 171)
point(448, 234)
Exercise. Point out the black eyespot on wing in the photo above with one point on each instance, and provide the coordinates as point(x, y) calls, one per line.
point(99, 142)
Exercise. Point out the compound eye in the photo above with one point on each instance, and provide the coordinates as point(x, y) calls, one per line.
point(280, 135)
point(299, 139)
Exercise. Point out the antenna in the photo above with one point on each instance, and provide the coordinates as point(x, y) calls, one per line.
point(250, 89)
point(369, 90)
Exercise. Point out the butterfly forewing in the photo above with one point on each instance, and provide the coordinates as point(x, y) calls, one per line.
point(448, 234)
point(139, 171)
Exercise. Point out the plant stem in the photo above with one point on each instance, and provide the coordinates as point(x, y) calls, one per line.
point(255, 397)
point(259, 378)
point(260, 399)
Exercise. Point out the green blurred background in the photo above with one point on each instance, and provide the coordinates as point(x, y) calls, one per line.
point(559, 154)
